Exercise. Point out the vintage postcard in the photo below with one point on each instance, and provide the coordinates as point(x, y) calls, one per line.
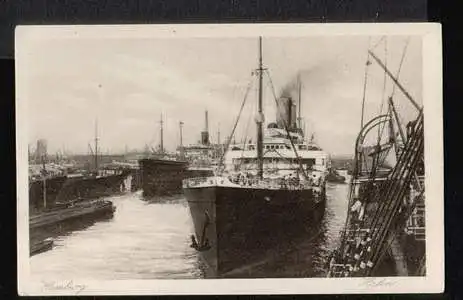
point(229, 159)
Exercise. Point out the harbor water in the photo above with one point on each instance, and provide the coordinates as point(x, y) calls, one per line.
point(150, 239)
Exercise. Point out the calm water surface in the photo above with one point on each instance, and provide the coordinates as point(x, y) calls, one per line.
point(150, 239)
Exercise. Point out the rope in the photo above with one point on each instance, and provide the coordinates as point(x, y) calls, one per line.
point(398, 192)
point(377, 43)
point(385, 231)
point(390, 209)
point(236, 123)
point(405, 156)
point(286, 127)
point(380, 128)
point(365, 86)
point(394, 233)
point(245, 136)
point(400, 65)
point(395, 200)
point(392, 192)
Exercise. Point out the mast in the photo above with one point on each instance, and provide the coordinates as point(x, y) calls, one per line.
point(162, 136)
point(299, 118)
point(219, 145)
point(260, 117)
point(44, 182)
point(407, 95)
point(181, 134)
point(96, 145)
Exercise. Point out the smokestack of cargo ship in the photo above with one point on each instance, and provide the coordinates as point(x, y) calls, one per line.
point(205, 133)
point(286, 113)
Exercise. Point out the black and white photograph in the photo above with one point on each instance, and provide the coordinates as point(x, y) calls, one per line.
point(212, 159)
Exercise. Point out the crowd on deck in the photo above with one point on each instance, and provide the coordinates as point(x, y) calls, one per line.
point(290, 181)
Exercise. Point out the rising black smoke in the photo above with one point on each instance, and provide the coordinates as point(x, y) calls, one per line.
point(291, 89)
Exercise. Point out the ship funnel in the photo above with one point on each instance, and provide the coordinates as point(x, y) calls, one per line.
point(205, 133)
point(286, 113)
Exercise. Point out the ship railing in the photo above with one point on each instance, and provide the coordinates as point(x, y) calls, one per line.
point(339, 270)
point(415, 228)
point(279, 183)
point(267, 183)
point(367, 179)
point(195, 181)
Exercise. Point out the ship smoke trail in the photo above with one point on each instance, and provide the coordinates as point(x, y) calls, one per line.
point(291, 89)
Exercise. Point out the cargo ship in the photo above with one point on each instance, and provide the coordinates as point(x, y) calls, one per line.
point(50, 190)
point(162, 173)
point(384, 232)
point(263, 195)
point(51, 184)
point(59, 200)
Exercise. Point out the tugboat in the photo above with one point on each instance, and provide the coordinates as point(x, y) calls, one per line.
point(261, 194)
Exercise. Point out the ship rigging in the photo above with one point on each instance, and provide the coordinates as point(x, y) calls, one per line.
point(261, 193)
point(385, 222)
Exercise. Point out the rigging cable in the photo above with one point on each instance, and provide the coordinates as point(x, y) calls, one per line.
point(381, 128)
point(379, 41)
point(394, 200)
point(385, 231)
point(408, 214)
point(245, 136)
point(398, 120)
point(236, 122)
point(400, 65)
point(286, 127)
point(384, 187)
point(365, 84)
point(403, 55)
point(393, 192)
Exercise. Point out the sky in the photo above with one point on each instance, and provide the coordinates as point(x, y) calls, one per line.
point(128, 83)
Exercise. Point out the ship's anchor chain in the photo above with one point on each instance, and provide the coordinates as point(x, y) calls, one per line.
point(203, 241)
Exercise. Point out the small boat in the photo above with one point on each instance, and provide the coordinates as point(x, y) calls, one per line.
point(334, 177)
point(41, 246)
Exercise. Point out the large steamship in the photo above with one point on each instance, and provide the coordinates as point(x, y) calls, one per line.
point(162, 173)
point(262, 193)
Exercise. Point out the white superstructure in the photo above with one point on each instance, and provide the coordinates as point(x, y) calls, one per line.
point(279, 155)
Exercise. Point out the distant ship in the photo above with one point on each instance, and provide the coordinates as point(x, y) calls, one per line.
point(338, 176)
point(203, 155)
point(162, 172)
point(261, 194)
point(51, 188)
point(62, 199)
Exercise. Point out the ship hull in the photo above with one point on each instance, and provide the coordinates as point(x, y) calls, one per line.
point(59, 222)
point(64, 189)
point(164, 177)
point(244, 223)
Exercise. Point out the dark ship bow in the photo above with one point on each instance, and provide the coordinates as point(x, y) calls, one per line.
point(235, 226)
